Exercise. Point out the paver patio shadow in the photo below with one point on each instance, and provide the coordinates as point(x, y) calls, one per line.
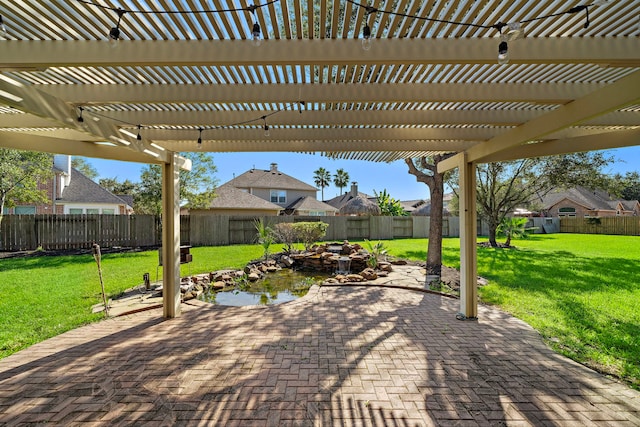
point(338, 357)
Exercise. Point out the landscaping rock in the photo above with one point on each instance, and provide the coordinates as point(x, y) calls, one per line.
point(354, 278)
point(252, 277)
point(369, 274)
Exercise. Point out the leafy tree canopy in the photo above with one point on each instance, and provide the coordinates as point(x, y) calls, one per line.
point(504, 186)
point(86, 168)
point(197, 186)
point(20, 172)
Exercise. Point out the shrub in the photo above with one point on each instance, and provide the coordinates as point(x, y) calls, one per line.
point(310, 232)
point(285, 233)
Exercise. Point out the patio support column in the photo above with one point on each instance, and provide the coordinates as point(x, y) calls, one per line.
point(468, 241)
point(171, 237)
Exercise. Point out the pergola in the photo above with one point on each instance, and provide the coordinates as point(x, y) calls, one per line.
point(186, 76)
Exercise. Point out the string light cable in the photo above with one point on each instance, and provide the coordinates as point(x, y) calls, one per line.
point(114, 33)
point(514, 31)
point(263, 118)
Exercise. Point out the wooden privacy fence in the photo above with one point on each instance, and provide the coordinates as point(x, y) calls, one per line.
point(624, 225)
point(29, 232)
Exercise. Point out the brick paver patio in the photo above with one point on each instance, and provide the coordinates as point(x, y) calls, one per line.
point(342, 356)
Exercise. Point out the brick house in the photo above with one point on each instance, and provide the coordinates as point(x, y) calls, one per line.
point(584, 203)
point(71, 192)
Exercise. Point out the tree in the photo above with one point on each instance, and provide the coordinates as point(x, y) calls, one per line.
point(425, 169)
point(341, 179)
point(20, 173)
point(197, 186)
point(322, 178)
point(504, 186)
point(627, 187)
point(82, 165)
point(388, 205)
point(117, 187)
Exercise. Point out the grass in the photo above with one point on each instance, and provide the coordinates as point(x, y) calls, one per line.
point(581, 292)
point(43, 296)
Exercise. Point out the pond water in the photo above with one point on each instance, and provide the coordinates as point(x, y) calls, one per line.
point(282, 286)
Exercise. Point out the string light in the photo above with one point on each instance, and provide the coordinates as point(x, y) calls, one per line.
point(139, 137)
point(200, 138)
point(515, 28)
point(80, 118)
point(3, 29)
point(114, 33)
point(266, 126)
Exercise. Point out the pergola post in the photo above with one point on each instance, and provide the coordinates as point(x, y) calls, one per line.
point(171, 237)
point(468, 241)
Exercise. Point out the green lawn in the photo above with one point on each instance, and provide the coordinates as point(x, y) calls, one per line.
point(581, 292)
point(43, 296)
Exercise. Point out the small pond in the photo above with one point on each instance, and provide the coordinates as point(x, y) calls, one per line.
point(282, 286)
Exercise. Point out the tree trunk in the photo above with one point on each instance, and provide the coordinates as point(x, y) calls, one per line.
point(434, 249)
point(493, 226)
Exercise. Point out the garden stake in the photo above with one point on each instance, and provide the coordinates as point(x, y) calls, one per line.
point(97, 256)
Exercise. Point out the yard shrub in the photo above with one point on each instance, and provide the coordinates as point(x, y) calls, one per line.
point(310, 232)
point(285, 233)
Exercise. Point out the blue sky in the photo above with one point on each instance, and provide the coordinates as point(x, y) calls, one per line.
point(370, 176)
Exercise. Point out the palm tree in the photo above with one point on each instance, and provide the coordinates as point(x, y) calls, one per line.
point(341, 179)
point(322, 178)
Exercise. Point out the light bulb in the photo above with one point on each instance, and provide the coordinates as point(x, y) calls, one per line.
point(266, 130)
point(3, 29)
point(114, 37)
point(256, 35)
point(503, 53)
point(366, 37)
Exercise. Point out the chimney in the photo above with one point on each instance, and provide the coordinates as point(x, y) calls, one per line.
point(63, 162)
point(354, 189)
point(274, 168)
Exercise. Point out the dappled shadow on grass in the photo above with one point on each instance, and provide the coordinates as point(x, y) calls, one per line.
point(46, 261)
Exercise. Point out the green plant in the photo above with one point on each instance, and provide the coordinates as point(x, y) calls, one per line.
point(310, 232)
point(514, 228)
point(376, 252)
point(388, 205)
point(285, 233)
point(264, 237)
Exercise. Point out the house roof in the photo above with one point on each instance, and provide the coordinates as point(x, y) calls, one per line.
point(411, 205)
point(272, 179)
point(82, 190)
point(590, 199)
point(339, 201)
point(229, 197)
point(310, 204)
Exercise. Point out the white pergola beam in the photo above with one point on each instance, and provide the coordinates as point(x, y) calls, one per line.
point(47, 144)
point(46, 53)
point(602, 141)
point(289, 145)
point(542, 93)
point(623, 92)
point(333, 118)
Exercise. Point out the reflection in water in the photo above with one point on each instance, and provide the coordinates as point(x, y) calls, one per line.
point(281, 286)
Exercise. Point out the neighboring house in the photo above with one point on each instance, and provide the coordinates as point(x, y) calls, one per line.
point(584, 203)
point(339, 201)
point(267, 192)
point(273, 186)
point(311, 207)
point(71, 192)
point(233, 201)
point(411, 205)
